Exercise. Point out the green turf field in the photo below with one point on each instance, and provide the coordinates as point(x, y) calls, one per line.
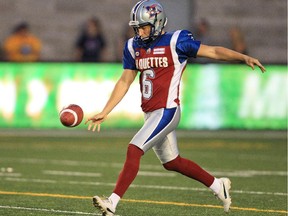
point(57, 173)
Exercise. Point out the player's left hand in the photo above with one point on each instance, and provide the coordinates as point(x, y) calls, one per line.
point(95, 121)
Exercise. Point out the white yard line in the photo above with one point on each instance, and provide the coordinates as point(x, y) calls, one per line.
point(70, 173)
point(154, 187)
point(32, 180)
point(89, 174)
point(47, 210)
point(250, 173)
point(146, 168)
point(10, 174)
point(156, 174)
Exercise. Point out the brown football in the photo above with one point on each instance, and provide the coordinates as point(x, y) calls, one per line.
point(71, 116)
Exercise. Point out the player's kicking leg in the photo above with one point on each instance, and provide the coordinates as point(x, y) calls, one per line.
point(104, 204)
point(190, 169)
point(223, 194)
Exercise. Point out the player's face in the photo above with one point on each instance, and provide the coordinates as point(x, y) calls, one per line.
point(144, 31)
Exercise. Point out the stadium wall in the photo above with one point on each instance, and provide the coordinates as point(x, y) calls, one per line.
point(213, 96)
point(58, 22)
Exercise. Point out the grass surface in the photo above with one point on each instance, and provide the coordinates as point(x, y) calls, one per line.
point(57, 173)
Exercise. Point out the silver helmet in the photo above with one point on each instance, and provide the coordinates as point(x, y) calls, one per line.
point(148, 12)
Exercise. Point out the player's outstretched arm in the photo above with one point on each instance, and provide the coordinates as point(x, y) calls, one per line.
point(222, 53)
point(118, 93)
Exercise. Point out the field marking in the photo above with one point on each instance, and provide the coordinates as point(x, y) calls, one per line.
point(32, 180)
point(10, 174)
point(250, 173)
point(161, 187)
point(156, 174)
point(142, 201)
point(146, 167)
point(69, 173)
point(205, 206)
point(90, 174)
point(154, 187)
point(47, 210)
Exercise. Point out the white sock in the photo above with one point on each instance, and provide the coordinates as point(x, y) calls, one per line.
point(115, 199)
point(216, 186)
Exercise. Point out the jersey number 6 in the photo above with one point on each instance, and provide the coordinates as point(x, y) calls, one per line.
point(147, 85)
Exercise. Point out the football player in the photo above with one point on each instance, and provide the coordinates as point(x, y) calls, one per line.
point(160, 57)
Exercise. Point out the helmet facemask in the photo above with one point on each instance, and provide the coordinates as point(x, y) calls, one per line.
point(147, 39)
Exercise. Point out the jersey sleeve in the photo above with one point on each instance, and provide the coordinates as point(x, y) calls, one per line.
point(129, 56)
point(186, 46)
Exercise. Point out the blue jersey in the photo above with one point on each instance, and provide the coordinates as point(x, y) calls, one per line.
point(161, 65)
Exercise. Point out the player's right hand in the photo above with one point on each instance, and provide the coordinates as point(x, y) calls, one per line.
point(252, 62)
point(95, 121)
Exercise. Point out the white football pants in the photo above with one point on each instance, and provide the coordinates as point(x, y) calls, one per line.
point(158, 132)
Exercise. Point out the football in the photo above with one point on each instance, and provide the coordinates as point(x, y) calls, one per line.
point(71, 115)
